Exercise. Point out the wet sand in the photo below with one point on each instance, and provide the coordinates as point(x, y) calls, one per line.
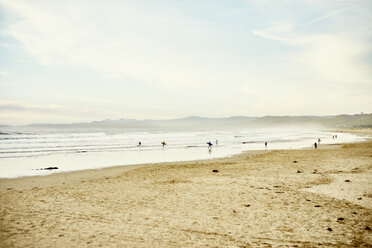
point(290, 198)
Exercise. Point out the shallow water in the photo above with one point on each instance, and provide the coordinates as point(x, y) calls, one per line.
point(23, 152)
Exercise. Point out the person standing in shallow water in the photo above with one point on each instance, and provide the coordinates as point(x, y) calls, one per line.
point(265, 144)
point(315, 145)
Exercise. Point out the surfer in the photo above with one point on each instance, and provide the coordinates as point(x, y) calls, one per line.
point(209, 144)
point(163, 143)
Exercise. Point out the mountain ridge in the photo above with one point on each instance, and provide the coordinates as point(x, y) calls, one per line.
point(197, 122)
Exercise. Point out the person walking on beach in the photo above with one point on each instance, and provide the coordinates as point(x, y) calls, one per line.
point(315, 145)
point(265, 144)
point(139, 143)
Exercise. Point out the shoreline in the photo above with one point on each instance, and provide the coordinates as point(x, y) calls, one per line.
point(25, 167)
point(76, 174)
point(58, 178)
point(280, 198)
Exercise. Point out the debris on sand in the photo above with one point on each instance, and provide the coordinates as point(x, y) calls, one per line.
point(49, 168)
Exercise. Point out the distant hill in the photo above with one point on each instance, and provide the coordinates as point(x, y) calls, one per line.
point(352, 121)
point(341, 121)
point(287, 121)
point(231, 123)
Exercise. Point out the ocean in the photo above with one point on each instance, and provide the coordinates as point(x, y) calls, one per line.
point(28, 151)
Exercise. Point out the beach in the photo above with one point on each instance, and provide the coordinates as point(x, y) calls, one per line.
point(271, 198)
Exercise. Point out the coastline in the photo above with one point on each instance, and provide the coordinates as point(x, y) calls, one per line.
point(30, 160)
point(251, 200)
point(59, 178)
point(68, 177)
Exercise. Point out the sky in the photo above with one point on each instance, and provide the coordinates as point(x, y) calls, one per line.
point(78, 61)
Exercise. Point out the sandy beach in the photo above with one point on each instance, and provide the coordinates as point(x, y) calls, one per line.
point(287, 198)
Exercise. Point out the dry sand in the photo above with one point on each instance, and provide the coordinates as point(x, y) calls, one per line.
point(254, 200)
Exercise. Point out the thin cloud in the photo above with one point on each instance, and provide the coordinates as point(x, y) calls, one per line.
point(336, 12)
point(270, 36)
point(20, 106)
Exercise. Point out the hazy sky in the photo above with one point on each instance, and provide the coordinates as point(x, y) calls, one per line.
point(71, 61)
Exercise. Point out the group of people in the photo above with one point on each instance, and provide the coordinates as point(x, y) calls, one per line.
point(140, 143)
point(319, 140)
point(164, 143)
point(316, 144)
point(210, 144)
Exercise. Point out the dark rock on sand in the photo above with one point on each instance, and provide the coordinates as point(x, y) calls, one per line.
point(329, 229)
point(295, 161)
point(215, 171)
point(347, 181)
point(368, 228)
point(50, 168)
point(340, 219)
point(299, 171)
